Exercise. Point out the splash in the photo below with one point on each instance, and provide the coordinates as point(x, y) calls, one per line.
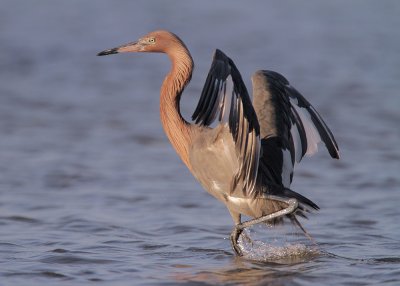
point(287, 249)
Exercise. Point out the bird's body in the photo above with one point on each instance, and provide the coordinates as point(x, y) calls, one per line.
point(213, 155)
point(242, 152)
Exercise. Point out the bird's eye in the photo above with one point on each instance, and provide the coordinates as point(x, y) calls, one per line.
point(152, 40)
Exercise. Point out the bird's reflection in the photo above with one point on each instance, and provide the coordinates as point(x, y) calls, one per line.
point(244, 272)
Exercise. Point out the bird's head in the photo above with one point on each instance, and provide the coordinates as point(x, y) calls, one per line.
point(155, 42)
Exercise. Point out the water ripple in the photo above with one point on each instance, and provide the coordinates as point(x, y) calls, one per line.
point(73, 259)
point(19, 218)
point(92, 192)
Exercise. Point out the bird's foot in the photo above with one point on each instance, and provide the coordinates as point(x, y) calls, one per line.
point(237, 231)
point(234, 240)
point(246, 238)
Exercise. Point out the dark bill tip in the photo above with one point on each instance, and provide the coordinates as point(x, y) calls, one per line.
point(108, 52)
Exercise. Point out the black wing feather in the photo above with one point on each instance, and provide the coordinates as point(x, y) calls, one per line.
point(323, 130)
point(289, 124)
point(217, 100)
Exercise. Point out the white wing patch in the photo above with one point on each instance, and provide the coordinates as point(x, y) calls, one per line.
point(225, 104)
point(312, 134)
point(296, 142)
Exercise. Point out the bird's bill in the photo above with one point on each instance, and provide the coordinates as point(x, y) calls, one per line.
point(130, 47)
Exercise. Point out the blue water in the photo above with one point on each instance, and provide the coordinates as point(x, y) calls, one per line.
point(91, 190)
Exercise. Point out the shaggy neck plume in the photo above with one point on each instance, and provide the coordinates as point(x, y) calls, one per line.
point(175, 126)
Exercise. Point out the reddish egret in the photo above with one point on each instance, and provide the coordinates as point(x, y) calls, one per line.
point(242, 152)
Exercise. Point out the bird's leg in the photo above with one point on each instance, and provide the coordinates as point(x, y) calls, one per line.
point(234, 238)
point(236, 232)
point(292, 206)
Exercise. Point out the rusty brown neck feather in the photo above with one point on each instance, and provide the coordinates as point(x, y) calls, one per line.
point(175, 126)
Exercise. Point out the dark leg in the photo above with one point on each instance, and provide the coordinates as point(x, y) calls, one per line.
point(292, 206)
point(234, 238)
point(236, 232)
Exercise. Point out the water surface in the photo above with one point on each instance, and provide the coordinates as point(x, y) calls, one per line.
point(90, 189)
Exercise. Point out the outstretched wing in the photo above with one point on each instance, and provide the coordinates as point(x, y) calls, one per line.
point(290, 127)
point(225, 100)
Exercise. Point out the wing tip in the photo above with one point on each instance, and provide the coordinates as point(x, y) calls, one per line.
point(220, 55)
point(330, 142)
point(335, 154)
point(274, 75)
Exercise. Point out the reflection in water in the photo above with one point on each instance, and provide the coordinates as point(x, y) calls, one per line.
point(243, 272)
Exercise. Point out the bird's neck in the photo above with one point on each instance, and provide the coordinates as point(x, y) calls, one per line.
point(175, 126)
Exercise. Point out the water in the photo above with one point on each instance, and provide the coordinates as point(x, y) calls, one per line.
point(90, 189)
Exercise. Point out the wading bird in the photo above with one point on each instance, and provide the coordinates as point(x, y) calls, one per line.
point(242, 152)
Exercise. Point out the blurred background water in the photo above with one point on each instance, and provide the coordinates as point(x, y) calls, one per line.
point(91, 190)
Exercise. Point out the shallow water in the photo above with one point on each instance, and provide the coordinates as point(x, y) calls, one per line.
point(90, 189)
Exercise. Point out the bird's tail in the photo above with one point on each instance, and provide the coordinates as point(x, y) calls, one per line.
point(305, 204)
